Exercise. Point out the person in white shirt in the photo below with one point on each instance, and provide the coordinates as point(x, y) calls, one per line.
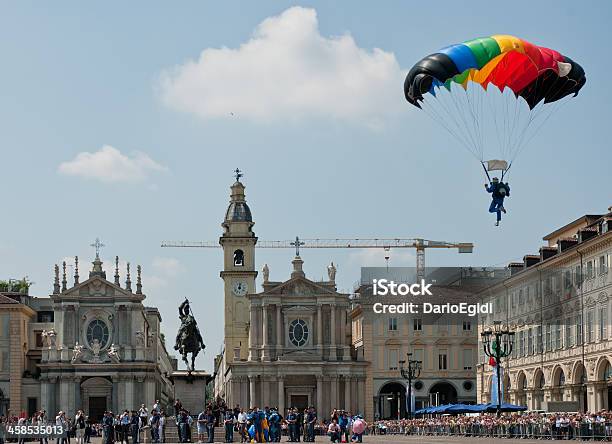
point(242, 423)
point(60, 420)
point(162, 425)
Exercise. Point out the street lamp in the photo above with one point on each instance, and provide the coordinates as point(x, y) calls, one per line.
point(409, 373)
point(497, 344)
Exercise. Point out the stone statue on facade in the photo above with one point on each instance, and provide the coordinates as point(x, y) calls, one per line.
point(266, 273)
point(331, 272)
point(140, 338)
point(188, 339)
point(49, 338)
point(77, 353)
point(95, 348)
point(113, 354)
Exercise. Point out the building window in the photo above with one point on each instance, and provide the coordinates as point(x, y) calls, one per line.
point(558, 337)
point(97, 330)
point(467, 326)
point(602, 265)
point(590, 330)
point(603, 323)
point(442, 364)
point(418, 356)
point(577, 275)
point(567, 279)
point(238, 258)
point(521, 343)
point(569, 339)
point(392, 324)
point(579, 330)
point(298, 332)
point(39, 339)
point(589, 272)
point(548, 338)
point(530, 342)
point(417, 324)
point(393, 360)
point(540, 343)
point(467, 359)
point(45, 316)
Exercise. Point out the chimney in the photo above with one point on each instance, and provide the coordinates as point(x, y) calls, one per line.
point(566, 244)
point(530, 259)
point(515, 267)
point(547, 252)
point(586, 233)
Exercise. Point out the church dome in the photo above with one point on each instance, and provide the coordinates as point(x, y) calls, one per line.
point(238, 212)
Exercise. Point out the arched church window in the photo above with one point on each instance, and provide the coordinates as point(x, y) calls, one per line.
point(97, 329)
point(561, 379)
point(608, 372)
point(298, 332)
point(239, 258)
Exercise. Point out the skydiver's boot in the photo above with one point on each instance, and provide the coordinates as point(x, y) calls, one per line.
point(497, 223)
point(503, 210)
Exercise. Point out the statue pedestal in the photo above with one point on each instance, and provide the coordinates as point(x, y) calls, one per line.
point(191, 389)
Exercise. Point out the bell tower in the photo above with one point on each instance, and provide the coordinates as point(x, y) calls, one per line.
point(238, 243)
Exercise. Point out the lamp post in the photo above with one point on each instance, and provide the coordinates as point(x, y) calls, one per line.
point(409, 373)
point(497, 344)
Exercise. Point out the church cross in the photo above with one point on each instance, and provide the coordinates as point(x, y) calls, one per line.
point(238, 174)
point(297, 244)
point(97, 245)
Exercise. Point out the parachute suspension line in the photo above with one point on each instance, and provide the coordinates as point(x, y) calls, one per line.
point(486, 172)
point(508, 150)
point(458, 131)
point(505, 172)
point(553, 110)
point(466, 123)
point(493, 109)
point(475, 111)
point(435, 116)
point(541, 110)
point(461, 129)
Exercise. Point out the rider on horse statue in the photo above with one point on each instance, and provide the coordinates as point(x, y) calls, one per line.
point(188, 339)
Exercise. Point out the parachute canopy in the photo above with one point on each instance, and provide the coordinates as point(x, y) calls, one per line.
point(453, 87)
point(532, 72)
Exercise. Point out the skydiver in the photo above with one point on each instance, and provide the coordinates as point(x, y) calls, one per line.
point(499, 191)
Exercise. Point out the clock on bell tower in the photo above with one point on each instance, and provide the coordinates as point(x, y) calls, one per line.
point(238, 242)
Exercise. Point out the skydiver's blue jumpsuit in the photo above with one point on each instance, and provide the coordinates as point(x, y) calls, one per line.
point(498, 199)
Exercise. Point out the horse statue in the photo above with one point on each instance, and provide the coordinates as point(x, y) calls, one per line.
point(188, 339)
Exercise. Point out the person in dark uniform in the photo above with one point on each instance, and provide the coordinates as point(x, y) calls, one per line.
point(499, 191)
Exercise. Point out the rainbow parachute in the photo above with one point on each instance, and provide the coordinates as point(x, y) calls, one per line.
point(517, 68)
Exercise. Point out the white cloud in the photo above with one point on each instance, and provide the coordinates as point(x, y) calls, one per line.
point(109, 165)
point(288, 70)
point(168, 266)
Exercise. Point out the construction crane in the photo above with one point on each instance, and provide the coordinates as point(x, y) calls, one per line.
point(386, 244)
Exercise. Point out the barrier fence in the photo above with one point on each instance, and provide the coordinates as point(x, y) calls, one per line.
point(541, 430)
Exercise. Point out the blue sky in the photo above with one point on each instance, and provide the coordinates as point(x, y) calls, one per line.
point(321, 159)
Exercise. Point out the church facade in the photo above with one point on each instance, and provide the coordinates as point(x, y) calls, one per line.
point(290, 344)
point(92, 345)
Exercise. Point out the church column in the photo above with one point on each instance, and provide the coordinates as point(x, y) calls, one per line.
point(252, 392)
point(360, 396)
point(347, 394)
point(319, 405)
point(334, 393)
point(281, 395)
point(264, 329)
point(334, 349)
point(346, 351)
point(319, 328)
point(265, 387)
point(252, 333)
point(279, 331)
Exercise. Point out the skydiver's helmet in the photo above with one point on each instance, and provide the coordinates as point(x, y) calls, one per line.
point(495, 180)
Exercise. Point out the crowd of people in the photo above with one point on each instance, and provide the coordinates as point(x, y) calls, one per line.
point(268, 424)
point(583, 426)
